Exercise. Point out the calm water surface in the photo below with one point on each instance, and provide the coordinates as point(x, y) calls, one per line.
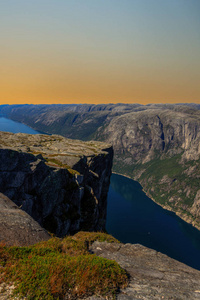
point(132, 217)
point(15, 127)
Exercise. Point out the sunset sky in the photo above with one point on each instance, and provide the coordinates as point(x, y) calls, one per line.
point(99, 51)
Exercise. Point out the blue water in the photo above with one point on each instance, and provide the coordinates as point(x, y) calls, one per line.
point(132, 217)
point(15, 127)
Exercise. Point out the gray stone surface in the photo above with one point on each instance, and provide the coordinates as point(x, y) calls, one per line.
point(153, 275)
point(17, 227)
point(145, 134)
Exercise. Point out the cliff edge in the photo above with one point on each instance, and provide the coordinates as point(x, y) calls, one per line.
point(61, 183)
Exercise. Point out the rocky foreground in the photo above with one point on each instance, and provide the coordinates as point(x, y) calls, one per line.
point(61, 183)
point(153, 275)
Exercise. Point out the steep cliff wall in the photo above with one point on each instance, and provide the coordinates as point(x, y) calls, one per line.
point(61, 183)
point(145, 134)
point(161, 149)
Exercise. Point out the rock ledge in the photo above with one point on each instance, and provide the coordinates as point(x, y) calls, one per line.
point(153, 275)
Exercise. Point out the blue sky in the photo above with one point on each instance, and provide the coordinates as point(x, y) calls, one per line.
point(100, 51)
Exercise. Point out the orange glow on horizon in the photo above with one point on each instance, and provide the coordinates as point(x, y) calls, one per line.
point(94, 87)
point(99, 52)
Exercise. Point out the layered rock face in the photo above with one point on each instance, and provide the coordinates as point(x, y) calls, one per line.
point(146, 134)
point(61, 183)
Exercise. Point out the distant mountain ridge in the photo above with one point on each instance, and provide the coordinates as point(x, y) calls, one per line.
point(157, 144)
point(75, 120)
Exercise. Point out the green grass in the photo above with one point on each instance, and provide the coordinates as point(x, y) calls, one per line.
point(160, 167)
point(121, 168)
point(60, 268)
point(52, 162)
point(179, 180)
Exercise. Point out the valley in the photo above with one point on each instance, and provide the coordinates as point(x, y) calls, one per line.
point(156, 144)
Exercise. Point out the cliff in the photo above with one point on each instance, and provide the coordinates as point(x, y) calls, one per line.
point(61, 183)
point(145, 134)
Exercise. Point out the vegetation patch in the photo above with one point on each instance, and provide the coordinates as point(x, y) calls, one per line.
point(91, 237)
point(61, 269)
point(156, 169)
point(169, 181)
point(52, 162)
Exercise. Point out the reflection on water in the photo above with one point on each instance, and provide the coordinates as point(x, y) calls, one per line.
point(132, 217)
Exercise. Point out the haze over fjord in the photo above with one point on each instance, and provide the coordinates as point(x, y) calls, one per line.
point(100, 51)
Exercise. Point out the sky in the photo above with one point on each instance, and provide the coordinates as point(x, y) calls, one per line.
point(99, 51)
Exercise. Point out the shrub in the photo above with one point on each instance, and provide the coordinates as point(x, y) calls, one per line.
point(61, 268)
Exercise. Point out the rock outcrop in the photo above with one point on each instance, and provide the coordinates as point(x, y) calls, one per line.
point(153, 275)
point(61, 183)
point(17, 227)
